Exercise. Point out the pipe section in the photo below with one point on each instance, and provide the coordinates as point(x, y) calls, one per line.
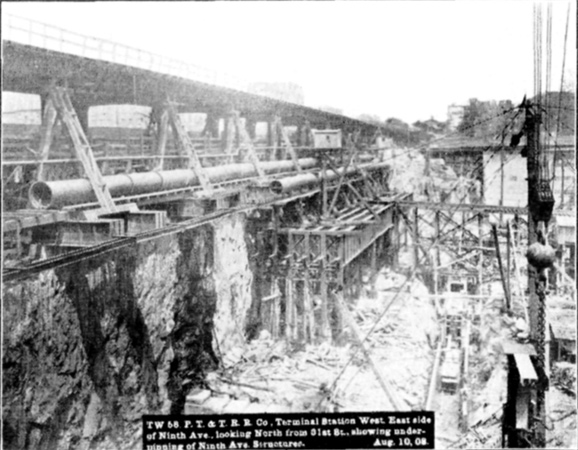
point(55, 194)
point(289, 184)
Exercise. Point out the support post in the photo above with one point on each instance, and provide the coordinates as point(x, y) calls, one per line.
point(502, 274)
point(162, 137)
point(325, 331)
point(502, 161)
point(323, 189)
point(536, 287)
point(194, 162)
point(415, 236)
point(508, 264)
point(481, 254)
point(49, 119)
point(437, 262)
point(308, 314)
point(289, 307)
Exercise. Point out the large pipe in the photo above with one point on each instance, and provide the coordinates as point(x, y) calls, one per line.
point(55, 194)
point(288, 184)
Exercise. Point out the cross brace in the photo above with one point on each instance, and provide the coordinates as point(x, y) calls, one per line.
point(185, 141)
point(59, 104)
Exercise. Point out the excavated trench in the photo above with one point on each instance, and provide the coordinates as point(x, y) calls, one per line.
point(153, 328)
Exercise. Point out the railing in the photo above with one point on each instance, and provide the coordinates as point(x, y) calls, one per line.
point(38, 34)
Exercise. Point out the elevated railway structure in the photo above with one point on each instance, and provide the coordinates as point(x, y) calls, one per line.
point(72, 194)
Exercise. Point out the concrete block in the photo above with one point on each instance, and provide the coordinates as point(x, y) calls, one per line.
point(87, 233)
point(135, 222)
point(138, 222)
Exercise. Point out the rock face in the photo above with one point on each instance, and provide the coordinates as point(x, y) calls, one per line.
point(89, 348)
point(233, 281)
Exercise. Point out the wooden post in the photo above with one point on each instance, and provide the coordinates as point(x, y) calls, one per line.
point(274, 140)
point(562, 186)
point(508, 265)
point(502, 274)
point(502, 161)
point(481, 258)
point(324, 189)
point(374, 259)
point(437, 262)
point(308, 314)
point(325, 332)
point(535, 286)
point(289, 291)
point(415, 236)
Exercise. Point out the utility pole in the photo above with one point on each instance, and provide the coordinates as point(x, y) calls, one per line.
point(540, 206)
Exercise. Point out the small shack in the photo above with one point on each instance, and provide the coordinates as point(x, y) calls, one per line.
point(562, 326)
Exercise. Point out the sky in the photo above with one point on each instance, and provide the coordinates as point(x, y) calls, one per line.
point(408, 60)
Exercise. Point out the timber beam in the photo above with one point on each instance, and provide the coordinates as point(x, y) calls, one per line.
point(488, 209)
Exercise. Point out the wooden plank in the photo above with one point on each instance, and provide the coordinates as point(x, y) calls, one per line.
point(525, 367)
point(465, 207)
point(500, 266)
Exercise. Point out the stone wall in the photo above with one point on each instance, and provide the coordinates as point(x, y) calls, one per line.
point(88, 348)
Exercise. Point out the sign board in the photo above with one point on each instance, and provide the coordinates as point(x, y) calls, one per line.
point(326, 139)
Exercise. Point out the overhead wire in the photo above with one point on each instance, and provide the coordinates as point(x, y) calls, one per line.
point(560, 94)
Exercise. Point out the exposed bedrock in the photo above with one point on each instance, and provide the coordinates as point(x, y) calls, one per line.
point(90, 347)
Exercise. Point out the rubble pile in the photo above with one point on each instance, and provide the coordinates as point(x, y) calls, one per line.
point(488, 376)
point(326, 377)
point(562, 409)
point(404, 351)
point(271, 372)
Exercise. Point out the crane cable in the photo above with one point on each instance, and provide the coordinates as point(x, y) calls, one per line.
point(560, 95)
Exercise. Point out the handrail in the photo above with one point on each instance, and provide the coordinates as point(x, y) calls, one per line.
point(50, 37)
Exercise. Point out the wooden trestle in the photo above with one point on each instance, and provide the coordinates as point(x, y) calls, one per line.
point(315, 264)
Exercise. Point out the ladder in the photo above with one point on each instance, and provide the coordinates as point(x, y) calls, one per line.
point(60, 100)
point(185, 141)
